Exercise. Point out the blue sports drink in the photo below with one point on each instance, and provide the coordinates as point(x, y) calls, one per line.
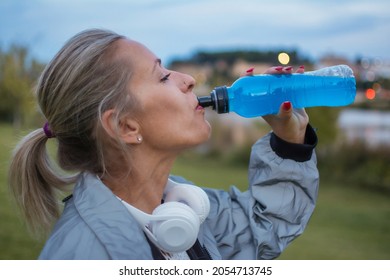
point(259, 95)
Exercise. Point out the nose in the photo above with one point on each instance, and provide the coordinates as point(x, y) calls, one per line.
point(188, 83)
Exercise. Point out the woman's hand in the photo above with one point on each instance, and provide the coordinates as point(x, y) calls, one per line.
point(289, 124)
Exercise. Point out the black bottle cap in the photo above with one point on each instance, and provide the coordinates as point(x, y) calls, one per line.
point(218, 99)
point(222, 100)
point(206, 101)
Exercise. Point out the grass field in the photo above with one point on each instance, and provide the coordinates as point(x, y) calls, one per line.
point(348, 223)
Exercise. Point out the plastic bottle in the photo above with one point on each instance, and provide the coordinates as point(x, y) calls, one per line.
point(259, 95)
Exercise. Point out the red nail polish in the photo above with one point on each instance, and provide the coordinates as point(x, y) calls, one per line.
point(279, 68)
point(302, 67)
point(288, 68)
point(287, 105)
point(250, 70)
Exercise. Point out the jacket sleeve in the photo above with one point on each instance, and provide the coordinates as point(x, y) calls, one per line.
point(283, 185)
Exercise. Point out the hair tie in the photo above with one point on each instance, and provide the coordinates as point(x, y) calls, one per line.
point(48, 132)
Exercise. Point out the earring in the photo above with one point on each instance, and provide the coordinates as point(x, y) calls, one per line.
point(139, 138)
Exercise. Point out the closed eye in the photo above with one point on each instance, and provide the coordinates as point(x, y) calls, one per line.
point(165, 78)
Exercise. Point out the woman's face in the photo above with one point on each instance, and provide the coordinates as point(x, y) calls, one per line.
point(170, 118)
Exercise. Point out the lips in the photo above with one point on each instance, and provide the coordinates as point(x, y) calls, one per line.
point(198, 107)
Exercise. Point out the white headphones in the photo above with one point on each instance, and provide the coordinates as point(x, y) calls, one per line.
point(174, 225)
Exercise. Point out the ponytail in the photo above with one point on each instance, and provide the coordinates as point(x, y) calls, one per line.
point(84, 79)
point(34, 183)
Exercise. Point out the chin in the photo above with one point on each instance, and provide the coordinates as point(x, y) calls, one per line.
point(207, 131)
point(200, 135)
point(201, 138)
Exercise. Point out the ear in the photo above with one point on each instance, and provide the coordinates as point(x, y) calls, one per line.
point(126, 129)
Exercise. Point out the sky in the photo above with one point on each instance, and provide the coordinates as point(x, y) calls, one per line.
point(178, 28)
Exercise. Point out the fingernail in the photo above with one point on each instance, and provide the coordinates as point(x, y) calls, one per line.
point(288, 68)
point(250, 70)
point(302, 67)
point(279, 68)
point(287, 105)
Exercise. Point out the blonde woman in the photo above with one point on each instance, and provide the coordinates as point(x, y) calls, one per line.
point(120, 119)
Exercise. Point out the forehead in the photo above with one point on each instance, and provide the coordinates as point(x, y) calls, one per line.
point(136, 53)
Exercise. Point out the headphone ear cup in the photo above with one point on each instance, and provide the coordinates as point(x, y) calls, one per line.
point(193, 196)
point(178, 229)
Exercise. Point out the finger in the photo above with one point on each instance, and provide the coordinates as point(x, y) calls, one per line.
point(285, 110)
point(248, 72)
point(280, 70)
point(288, 69)
point(301, 69)
point(274, 70)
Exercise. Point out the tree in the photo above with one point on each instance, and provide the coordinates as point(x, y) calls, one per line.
point(17, 76)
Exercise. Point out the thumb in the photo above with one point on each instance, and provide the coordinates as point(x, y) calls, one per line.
point(285, 110)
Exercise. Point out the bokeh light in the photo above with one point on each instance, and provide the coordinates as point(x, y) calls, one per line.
point(283, 58)
point(370, 93)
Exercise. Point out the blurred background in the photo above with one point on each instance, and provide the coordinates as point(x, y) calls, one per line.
point(216, 42)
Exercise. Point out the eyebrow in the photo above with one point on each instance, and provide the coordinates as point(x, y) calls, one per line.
point(157, 62)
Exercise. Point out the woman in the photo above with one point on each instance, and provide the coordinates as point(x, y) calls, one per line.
point(121, 119)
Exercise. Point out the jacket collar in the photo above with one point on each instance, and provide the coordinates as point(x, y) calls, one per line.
point(108, 218)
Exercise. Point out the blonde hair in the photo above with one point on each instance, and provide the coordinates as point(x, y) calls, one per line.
point(76, 87)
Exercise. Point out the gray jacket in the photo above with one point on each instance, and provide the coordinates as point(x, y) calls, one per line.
point(256, 224)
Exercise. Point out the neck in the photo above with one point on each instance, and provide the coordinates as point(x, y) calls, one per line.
point(144, 185)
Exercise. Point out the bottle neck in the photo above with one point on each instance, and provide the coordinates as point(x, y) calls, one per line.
point(218, 99)
point(206, 101)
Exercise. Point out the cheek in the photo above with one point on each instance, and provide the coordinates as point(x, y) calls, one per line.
point(176, 131)
point(170, 120)
point(160, 124)
point(160, 102)
point(195, 131)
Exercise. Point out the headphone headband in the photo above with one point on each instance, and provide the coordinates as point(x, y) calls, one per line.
point(174, 225)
